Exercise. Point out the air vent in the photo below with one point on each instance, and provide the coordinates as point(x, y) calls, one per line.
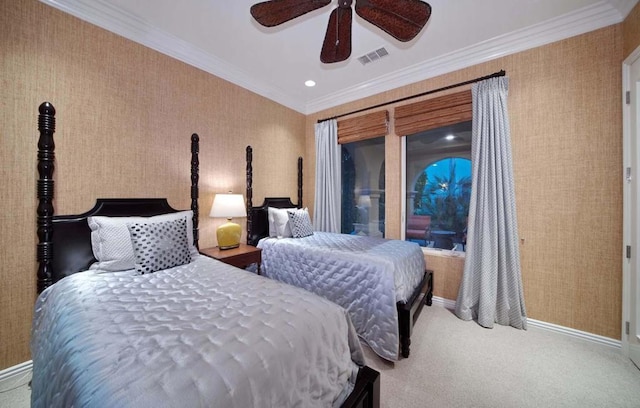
point(373, 56)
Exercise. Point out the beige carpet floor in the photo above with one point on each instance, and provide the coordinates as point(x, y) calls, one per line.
point(455, 363)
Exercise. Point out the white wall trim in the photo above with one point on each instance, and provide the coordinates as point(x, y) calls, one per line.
point(587, 19)
point(13, 377)
point(594, 338)
point(629, 232)
point(442, 302)
point(127, 25)
point(116, 20)
point(16, 370)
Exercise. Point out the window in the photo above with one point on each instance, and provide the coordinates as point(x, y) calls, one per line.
point(438, 186)
point(363, 187)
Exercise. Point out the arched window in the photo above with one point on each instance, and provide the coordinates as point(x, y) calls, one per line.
point(438, 171)
point(443, 190)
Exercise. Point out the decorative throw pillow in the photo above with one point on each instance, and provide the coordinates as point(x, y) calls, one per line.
point(111, 241)
point(159, 245)
point(279, 223)
point(300, 223)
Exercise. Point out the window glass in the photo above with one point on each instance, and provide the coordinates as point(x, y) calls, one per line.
point(363, 187)
point(438, 174)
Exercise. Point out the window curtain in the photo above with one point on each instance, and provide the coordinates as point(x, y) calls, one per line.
point(326, 214)
point(491, 286)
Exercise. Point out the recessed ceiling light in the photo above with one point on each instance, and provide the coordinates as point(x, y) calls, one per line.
point(450, 137)
point(310, 83)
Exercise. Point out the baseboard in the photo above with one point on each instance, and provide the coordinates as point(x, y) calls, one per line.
point(594, 338)
point(442, 302)
point(15, 376)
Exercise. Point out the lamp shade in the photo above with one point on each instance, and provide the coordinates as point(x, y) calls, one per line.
point(228, 206)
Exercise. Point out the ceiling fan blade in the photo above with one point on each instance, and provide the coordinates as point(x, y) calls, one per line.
point(275, 12)
point(402, 19)
point(337, 40)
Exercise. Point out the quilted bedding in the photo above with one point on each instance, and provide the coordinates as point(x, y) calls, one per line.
point(365, 275)
point(203, 334)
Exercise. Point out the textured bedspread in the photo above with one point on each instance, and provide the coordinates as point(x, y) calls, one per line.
point(200, 335)
point(365, 275)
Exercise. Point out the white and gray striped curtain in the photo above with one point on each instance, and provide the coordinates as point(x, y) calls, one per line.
point(491, 287)
point(326, 213)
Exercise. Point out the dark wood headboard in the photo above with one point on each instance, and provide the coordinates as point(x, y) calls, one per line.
point(258, 217)
point(64, 241)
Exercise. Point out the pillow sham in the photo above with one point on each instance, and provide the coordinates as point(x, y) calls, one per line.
point(159, 245)
point(279, 223)
point(300, 223)
point(111, 240)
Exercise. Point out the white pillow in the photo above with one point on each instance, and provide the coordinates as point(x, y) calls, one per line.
point(111, 240)
point(279, 223)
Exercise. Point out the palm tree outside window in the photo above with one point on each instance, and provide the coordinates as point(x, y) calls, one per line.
point(438, 174)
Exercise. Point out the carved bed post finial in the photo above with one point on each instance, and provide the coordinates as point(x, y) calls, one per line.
point(249, 191)
point(46, 159)
point(299, 182)
point(195, 177)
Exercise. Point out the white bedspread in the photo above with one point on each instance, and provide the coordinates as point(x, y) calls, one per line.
point(201, 335)
point(365, 275)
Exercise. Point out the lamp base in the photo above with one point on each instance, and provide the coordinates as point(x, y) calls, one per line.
point(228, 235)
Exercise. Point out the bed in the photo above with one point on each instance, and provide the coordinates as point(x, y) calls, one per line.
point(382, 283)
point(179, 329)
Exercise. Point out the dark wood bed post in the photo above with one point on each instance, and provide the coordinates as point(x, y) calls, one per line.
point(249, 190)
point(299, 182)
point(195, 177)
point(46, 159)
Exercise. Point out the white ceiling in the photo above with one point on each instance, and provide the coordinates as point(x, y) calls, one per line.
point(222, 38)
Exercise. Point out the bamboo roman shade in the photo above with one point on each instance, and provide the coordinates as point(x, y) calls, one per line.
point(433, 113)
point(363, 127)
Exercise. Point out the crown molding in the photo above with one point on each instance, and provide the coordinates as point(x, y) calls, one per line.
point(116, 20)
point(129, 26)
point(587, 19)
point(623, 6)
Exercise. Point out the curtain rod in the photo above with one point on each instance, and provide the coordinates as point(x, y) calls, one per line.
point(471, 81)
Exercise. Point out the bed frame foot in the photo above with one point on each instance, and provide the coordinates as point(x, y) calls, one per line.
point(405, 344)
point(429, 296)
point(408, 312)
point(366, 393)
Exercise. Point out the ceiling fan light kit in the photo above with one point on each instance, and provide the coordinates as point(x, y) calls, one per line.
point(401, 19)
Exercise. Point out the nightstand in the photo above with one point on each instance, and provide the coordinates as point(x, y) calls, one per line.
point(241, 257)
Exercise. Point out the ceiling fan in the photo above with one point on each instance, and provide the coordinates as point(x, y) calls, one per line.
point(402, 19)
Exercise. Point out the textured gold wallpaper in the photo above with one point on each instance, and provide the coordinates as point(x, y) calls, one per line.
point(565, 112)
point(125, 115)
point(631, 31)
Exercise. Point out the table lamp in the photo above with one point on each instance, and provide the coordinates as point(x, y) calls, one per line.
point(228, 206)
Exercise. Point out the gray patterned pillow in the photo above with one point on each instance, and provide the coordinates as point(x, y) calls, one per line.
point(300, 223)
point(159, 245)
